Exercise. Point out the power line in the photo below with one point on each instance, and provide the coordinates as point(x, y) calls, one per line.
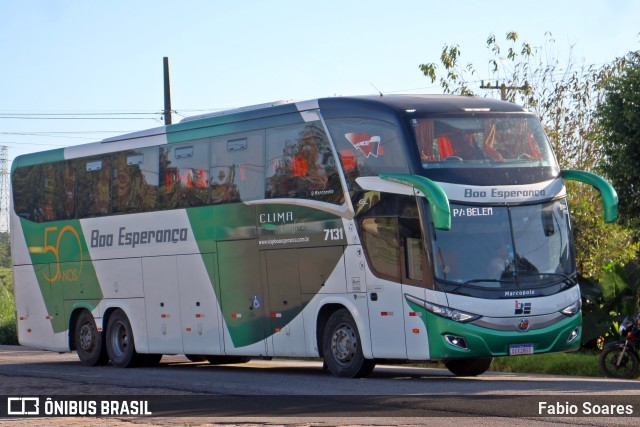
point(72, 118)
point(27, 144)
point(82, 113)
point(57, 134)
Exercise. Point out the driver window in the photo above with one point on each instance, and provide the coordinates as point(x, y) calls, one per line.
point(381, 244)
point(415, 261)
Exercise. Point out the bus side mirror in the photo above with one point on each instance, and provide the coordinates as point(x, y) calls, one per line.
point(434, 193)
point(607, 192)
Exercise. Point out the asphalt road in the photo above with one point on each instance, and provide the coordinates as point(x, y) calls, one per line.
point(294, 392)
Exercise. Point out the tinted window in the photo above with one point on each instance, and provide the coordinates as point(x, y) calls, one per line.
point(300, 164)
point(367, 148)
point(184, 175)
point(93, 185)
point(476, 141)
point(380, 240)
point(135, 180)
point(237, 167)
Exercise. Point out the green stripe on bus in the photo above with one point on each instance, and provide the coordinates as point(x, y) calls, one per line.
point(38, 158)
point(62, 266)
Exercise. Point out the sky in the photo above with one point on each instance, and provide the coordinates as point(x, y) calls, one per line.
point(78, 71)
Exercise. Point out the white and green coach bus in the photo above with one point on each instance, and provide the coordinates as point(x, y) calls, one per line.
point(355, 229)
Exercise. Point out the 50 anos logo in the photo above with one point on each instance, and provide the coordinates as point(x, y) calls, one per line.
point(61, 244)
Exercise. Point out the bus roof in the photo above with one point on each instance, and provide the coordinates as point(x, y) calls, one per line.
point(427, 104)
point(398, 104)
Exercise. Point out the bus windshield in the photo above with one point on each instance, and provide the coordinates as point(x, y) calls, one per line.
point(512, 246)
point(478, 141)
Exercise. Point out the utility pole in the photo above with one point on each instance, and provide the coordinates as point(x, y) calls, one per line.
point(503, 88)
point(167, 93)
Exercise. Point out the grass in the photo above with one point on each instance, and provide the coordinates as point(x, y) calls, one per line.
point(8, 332)
point(582, 363)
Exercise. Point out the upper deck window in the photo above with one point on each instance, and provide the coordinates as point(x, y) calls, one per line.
point(367, 147)
point(477, 141)
point(300, 164)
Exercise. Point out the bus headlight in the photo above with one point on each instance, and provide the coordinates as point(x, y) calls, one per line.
point(572, 309)
point(455, 315)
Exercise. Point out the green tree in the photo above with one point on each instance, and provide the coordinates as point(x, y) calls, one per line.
point(619, 120)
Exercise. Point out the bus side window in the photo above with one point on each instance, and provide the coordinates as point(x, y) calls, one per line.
point(93, 176)
point(300, 164)
point(26, 186)
point(135, 180)
point(381, 244)
point(367, 147)
point(184, 175)
point(237, 168)
point(415, 261)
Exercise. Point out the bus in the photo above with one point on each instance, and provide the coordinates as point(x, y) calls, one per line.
point(352, 229)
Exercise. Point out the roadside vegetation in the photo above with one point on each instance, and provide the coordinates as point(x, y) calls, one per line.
point(582, 364)
point(8, 332)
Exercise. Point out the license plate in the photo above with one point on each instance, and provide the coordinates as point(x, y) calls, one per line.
point(519, 349)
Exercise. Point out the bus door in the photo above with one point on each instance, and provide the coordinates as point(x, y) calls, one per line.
point(285, 302)
point(414, 265)
point(242, 297)
point(381, 242)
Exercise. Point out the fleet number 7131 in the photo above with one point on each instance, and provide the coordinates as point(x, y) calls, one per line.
point(333, 234)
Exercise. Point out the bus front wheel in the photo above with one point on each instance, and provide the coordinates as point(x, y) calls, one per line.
point(89, 341)
point(342, 348)
point(468, 367)
point(120, 343)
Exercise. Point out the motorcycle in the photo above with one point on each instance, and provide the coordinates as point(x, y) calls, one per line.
point(620, 359)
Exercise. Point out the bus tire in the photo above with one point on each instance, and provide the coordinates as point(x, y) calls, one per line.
point(120, 342)
point(89, 342)
point(468, 367)
point(342, 348)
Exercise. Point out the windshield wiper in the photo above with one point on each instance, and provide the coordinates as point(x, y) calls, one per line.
point(566, 278)
point(470, 282)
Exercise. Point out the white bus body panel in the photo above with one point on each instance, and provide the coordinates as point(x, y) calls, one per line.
point(199, 306)
point(162, 303)
point(33, 323)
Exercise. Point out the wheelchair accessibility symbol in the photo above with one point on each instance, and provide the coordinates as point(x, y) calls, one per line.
point(257, 302)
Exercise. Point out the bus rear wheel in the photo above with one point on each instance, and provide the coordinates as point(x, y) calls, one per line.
point(342, 348)
point(468, 367)
point(89, 342)
point(120, 342)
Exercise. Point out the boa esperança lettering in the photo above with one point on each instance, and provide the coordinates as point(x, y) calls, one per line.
point(135, 238)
